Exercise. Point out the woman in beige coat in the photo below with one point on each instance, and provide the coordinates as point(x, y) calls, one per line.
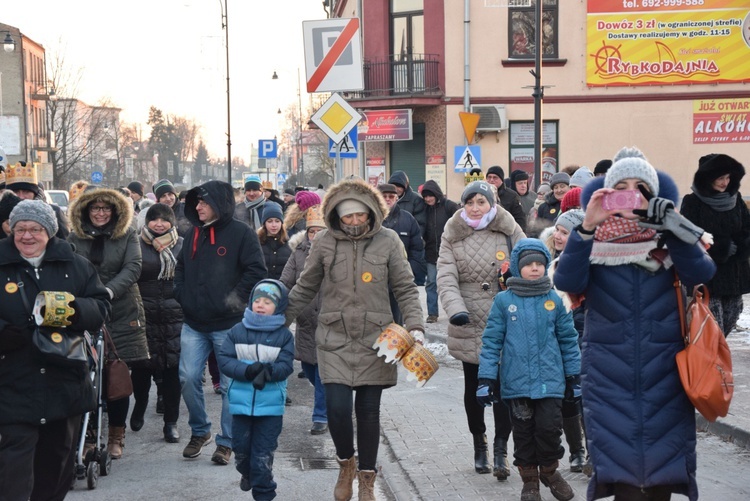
point(353, 263)
point(476, 242)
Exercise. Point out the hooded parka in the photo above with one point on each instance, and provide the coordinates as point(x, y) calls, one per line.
point(119, 269)
point(468, 260)
point(353, 276)
point(437, 217)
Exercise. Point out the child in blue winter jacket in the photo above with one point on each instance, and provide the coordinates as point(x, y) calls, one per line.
point(258, 355)
point(531, 336)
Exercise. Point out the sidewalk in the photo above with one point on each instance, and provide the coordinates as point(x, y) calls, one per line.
point(428, 452)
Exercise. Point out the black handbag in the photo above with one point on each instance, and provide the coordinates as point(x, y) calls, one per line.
point(55, 344)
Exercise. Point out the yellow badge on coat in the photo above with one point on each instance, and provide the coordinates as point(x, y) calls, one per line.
point(11, 287)
point(552, 211)
point(367, 277)
point(500, 255)
point(549, 305)
point(56, 337)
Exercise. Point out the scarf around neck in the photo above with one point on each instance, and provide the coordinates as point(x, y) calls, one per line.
point(253, 206)
point(528, 288)
point(721, 202)
point(163, 245)
point(620, 241)
point(255, 321)
point(480, 224)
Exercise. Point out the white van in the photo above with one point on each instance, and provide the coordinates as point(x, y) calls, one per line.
point(59, 197)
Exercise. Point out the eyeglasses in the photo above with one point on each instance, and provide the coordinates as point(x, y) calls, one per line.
point(97, 208)
point(34, 232)
point(202, 203)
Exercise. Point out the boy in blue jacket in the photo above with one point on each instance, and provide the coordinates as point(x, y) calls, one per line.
point(531, 336)
point(258, 355)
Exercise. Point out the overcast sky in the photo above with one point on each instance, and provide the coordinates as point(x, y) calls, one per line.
point(170, 54)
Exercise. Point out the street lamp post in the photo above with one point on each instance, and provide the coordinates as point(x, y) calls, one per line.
point(225, 27)
point(300, 155)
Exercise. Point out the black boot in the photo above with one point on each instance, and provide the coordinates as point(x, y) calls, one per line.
point(159, 404)
point(501, 470)
point(171, 434)
point(481, 454)
point(574, 436)
point(139, 409)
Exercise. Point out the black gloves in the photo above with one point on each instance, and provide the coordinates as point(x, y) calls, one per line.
point(263, 376)
point(487, 393)
point(459, 318)
point(572, 388)
point(253, 370)
point(13, 338)
point(732, 249)
point(661, 216)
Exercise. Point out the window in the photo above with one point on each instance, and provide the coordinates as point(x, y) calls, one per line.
point(522, 30)
point(407, 45)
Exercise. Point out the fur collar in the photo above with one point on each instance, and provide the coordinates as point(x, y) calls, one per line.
point(356, 189)
point(79, 217)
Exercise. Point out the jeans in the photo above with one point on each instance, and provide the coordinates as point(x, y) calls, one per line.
point(319, 408)
point(254, 440)
point(431, 290)
point(194, 349)
point(367, 411)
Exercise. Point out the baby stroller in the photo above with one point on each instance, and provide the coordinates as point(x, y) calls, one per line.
point(91, 457)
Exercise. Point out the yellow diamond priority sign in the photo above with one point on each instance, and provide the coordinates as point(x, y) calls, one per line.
point(336, 118)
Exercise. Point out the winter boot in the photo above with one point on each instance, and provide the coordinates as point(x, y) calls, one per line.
point(481, 454)
point(530, 477)
point(139, 410)
point(366, 485)
point(556, 483)
point(343, 489)
point(501, 469)
point(574, 436)
point(115, 441)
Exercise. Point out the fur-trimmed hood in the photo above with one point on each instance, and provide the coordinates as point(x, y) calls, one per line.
point(456, 229)
point(354, 189)
point(714, 166)
point(78, 213)
point(293, 215)
point(297, 239)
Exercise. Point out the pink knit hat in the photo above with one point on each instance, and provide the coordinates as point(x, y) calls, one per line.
point(306, 199)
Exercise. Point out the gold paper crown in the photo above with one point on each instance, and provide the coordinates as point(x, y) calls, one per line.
point(267, 185)
point(2, 177)
point(21, 174)
point(76, 189)
point(470, 178)
point(314, 217)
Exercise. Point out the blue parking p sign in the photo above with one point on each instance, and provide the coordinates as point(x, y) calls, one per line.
point(267, 148)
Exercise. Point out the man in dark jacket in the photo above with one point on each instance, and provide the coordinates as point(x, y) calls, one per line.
point(439, 211)
point(410, 234)
point(506, 197)
point(519, 182)
point(220, 263)
point(408, 199)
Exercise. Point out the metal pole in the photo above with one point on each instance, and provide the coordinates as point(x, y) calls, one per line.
point(300, 153)
point(538, 96)
point(339, 166)
point(225, 26)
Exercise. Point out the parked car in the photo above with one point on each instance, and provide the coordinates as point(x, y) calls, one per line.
point(59, 197)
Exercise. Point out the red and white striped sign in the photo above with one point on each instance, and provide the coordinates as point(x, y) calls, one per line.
point(333, 55)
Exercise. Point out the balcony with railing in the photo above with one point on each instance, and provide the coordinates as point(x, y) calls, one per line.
point(400, 75)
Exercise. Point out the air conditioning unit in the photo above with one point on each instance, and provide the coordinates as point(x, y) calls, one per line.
point(492, 117)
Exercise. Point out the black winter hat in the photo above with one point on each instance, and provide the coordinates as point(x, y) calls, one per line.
point(8, 200)
point(162, 211)
point(496, 170)
point(602, 166)
point(136, 187)
point(163, 186)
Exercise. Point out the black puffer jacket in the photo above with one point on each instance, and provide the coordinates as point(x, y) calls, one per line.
point(437, 216)
point(275, 255)
point(410, 201)
point(163, 312)
point(511, 202)
point(410, 234)
point(33, 391)
point(732, 276)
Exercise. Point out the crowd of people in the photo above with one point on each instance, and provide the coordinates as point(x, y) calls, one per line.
point(561, 309)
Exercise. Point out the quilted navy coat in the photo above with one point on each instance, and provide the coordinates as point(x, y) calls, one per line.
point(640, 424)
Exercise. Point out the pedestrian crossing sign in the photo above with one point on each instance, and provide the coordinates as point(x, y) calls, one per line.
point(348, 145)
point(467, 158)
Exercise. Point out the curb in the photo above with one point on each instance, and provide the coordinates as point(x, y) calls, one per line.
point(395, 476)
point(731, 433)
